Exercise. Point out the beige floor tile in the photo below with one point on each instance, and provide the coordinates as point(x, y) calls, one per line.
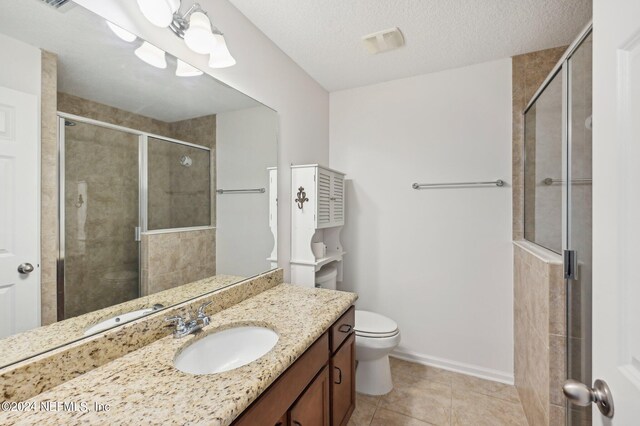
point(401, 368)
point(368, 399)
point(480, 410)
point(363, 414)
point(389, 418)
point(426, 401)
point(465, 384)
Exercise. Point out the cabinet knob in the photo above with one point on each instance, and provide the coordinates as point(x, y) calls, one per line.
point(345, 328)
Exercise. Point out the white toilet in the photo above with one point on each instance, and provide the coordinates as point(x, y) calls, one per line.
point(376, 337)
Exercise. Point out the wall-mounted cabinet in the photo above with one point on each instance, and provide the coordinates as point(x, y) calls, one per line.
point(317, 216)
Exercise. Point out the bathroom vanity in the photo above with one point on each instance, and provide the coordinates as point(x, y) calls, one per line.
point(307, 378)
point(318, 389)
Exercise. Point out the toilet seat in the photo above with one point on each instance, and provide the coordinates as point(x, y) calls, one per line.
point(374, 326)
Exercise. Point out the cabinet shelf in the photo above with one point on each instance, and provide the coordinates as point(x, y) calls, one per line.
point(319, 263)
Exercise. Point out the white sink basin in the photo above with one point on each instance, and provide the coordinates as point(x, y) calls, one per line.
point(226, 350)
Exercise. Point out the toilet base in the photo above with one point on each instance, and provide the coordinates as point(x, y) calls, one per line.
point(374, 377)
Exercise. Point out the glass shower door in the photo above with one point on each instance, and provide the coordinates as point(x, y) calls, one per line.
point(578, 230)
point(100, 213)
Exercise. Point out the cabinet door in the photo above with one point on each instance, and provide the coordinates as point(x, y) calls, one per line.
point(313, 407)
point(323, 184)
point(343, 383)
point(337, 199)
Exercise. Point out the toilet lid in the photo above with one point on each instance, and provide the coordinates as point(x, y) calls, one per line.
point(370, 324)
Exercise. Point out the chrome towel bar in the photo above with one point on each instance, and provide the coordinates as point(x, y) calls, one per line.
point(498, 182)
point(551, 181)
point(241, 191)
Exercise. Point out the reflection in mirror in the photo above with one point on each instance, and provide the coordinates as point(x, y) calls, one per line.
point(148, 183)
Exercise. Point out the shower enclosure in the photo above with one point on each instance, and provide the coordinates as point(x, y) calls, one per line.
point(558, 204)
point(116, 183)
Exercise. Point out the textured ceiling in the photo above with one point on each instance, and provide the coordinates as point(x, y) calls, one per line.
point(94, 64)
point(324, 36)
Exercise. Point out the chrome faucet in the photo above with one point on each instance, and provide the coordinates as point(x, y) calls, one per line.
point(184, 328)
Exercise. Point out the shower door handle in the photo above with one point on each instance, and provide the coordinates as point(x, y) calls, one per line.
point(137, 234)
point(25, 268)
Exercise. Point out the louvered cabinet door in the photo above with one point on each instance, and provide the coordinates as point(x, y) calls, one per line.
point(337, 199)
point(323, 183)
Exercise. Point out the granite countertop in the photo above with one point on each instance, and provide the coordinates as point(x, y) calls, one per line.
point(144, 387)
point(40, 339)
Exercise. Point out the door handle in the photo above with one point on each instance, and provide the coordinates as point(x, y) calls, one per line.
point(25, 268)
point(581, 394)
point(297, 423)
point(339, 376)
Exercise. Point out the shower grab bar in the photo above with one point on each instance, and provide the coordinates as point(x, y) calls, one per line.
point(551, 181)
point(498, 182)
point(241, 191)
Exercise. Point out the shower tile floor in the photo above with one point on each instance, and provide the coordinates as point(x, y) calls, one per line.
point(430, 396)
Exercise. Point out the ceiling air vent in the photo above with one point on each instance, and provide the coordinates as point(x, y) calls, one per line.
point(383, 41)
point(58, 4)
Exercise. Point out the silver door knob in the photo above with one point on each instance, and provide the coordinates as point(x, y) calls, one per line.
point(581, 394)
point(25, 268)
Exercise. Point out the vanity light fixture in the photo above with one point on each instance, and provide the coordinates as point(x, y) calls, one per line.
point(121, 33)
point(198, 36)
point(220, 56)
point(159, 12)
point(193, 26)
point(183, 69)
point(151, 55)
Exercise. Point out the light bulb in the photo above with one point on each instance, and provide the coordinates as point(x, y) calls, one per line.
point(159, 12)
point(151, 55)
point(220, 55)
point(198, 36)
point(185, 70)
point(121, 33)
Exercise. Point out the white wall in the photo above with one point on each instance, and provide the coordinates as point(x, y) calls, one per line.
point(437, 261)
point(246, 144)
point(23, 71)
point(263, 72)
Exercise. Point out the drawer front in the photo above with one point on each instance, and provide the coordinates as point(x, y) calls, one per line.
point(342, 328)
point(270, 407)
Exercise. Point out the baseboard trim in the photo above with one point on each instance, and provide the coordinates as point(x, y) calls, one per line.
point(457, 367)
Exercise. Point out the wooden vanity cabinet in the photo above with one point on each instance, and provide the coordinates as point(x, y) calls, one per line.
point(316, 390)
point(313, 407)
point(343, 368)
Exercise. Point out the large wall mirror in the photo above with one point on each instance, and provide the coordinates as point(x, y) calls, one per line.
point(129, 180)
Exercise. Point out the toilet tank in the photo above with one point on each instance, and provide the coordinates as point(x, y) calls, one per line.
point(326, 277)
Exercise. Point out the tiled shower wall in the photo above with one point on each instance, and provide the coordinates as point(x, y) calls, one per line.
point(539, 291)
point(540, 333)
point(528, 73)
point(199, 130)
point(176, 258)
point(48, 188)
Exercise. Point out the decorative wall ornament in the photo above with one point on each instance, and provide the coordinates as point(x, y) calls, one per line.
point(302, 197)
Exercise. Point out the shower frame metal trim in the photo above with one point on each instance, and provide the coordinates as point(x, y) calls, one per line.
point(556, 68)
point(143, 186)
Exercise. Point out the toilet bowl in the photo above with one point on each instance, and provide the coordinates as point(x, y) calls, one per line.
point(376, 337)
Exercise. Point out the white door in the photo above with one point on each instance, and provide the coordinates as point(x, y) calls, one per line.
point(616, 206)
point(19, 216)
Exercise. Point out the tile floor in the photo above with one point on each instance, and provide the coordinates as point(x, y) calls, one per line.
point(430, 396)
